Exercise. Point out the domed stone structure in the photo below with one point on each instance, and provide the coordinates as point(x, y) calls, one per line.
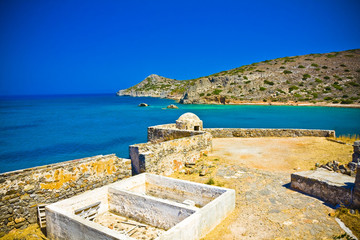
point(189, 121)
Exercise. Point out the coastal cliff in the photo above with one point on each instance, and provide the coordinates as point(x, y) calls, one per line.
point(329, 78)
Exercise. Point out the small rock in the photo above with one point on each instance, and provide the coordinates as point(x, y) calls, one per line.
point(172, 106)
point(19, 220)
point(203, 172)
point(189, 165)
point(143, 105)
point(12, 223)
point(28, 187)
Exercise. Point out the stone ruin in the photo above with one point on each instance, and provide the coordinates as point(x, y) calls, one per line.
point(145, 206)
point(355, 157)
point(332, 187)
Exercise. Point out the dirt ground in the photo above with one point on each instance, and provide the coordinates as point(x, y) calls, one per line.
point(259, 170)
point(280, 154)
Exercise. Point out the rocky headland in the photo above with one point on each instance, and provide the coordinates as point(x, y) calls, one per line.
point(314, 79)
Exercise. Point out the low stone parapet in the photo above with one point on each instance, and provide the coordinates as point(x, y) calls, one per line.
point(334, 188)
point(267, 132)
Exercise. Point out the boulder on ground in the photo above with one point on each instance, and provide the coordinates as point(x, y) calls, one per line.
point(172, 106)
point(143, 105)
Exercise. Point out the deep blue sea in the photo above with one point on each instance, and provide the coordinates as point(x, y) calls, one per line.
point(42, 130)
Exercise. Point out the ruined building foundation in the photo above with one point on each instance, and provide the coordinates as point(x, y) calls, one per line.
point(153, 205)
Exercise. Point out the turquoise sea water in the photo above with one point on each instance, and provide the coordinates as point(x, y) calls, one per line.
point(41, 130)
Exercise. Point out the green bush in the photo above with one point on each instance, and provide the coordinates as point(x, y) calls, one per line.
point(245, 77)
point(345, 96)
point(331, 55)
point(306, 76)
point(328, 98)
point(314, 65)
point(318, 80)
point(338, 87)
point(327, 77)
point(217, 91)
point(346, 101)
point(209, 94)
point(293, 88)
point(301, 66)
point(287, 72)
point(202, 94)
point(342, 65)
point(324, 67)
point(282, 67)
point(268, 82)
point(247, 82)
point(346, 70)
point(315, 95)
point(354, 84)
point(262, 89)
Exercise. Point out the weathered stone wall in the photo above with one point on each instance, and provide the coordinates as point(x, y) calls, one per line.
point(264, 132)
point(168, 132)
point(21, 191)
point(356, 196)
point(332, 187)
point(169, 156)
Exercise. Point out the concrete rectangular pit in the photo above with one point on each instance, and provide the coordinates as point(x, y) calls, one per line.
point(174, 209)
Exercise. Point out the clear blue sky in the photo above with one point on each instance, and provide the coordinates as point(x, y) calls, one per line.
point(70, 47)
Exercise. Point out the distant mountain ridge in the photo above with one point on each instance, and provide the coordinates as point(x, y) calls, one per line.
point(314, 78)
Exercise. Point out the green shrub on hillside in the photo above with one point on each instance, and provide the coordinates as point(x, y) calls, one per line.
point(346, 101)
point(262, 89)
point(327, 77)
point(287, 72)
point(354, 84)
point(301, 66)
point(318, 80)
point(293, 88)
point(268, 82)
point(217, 91)
point(314, 65)
point(337, 86)
point(306, 76)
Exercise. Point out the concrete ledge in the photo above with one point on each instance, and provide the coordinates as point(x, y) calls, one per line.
point(334, 188)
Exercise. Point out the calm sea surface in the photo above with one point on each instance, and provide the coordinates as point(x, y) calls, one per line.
point(41, 130)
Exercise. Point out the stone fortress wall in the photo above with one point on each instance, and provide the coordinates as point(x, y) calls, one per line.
point(266, 132)
point(23, 190)
point(168, 149)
